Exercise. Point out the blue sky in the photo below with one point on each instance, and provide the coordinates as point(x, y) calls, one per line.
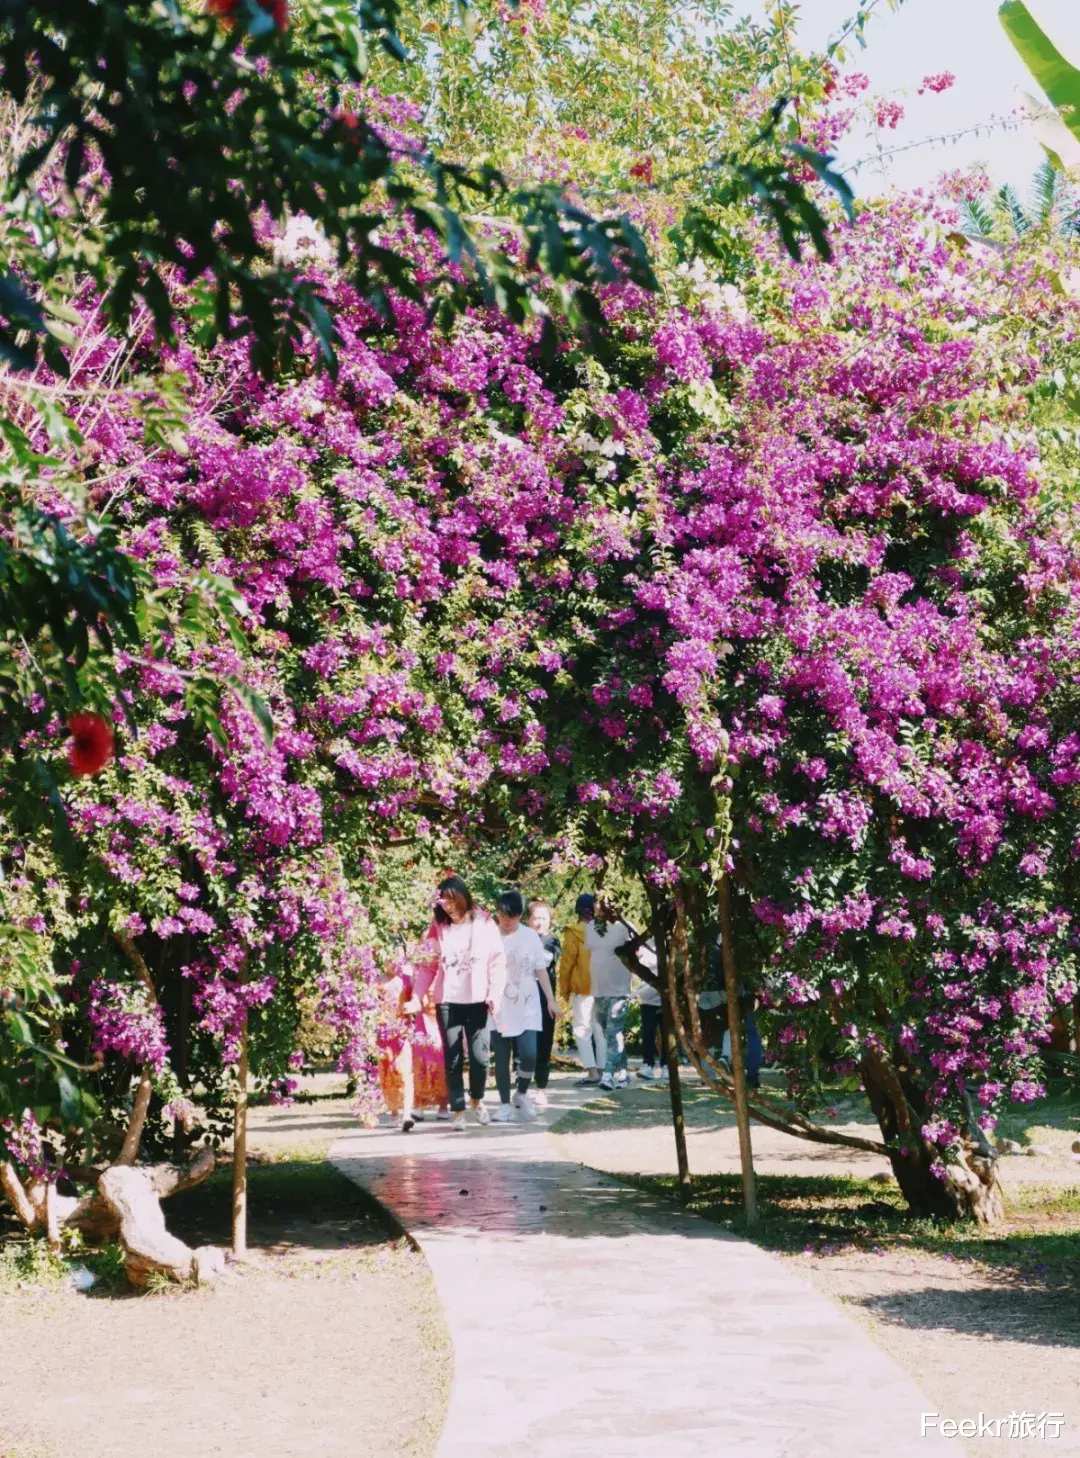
point(962, 36)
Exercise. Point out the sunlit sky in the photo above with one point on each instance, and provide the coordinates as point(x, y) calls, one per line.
point(927, 36)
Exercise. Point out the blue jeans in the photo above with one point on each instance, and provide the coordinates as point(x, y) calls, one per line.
point(651, 1051)
point(752, 1049)
point(524, 1045)
point(609, 1014)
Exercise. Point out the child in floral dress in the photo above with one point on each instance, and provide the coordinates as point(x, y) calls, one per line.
point(411, 1073)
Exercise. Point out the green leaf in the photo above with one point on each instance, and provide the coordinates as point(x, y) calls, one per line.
point(821, 165)
point(71, 1104)
point(1057, 77)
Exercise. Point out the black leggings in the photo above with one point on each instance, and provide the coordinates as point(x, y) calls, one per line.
point(524, 1045)
point(545, 1041)
point(464, 1024)
point(652, 1052)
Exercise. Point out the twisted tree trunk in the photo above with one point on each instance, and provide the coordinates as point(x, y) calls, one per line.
point(968, 1189)
point(125, 1203)
point(134, 1196)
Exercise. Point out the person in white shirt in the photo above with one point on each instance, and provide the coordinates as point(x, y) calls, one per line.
point(460, 963)
point(610, 978)
point(518, 1018)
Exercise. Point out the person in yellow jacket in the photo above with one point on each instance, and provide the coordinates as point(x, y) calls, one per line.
point(575, 983)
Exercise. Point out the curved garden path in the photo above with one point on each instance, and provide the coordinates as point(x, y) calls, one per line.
point(588, 1318)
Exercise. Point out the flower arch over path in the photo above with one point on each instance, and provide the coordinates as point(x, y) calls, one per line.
point(767, 586)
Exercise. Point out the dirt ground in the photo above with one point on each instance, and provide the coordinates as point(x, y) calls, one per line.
point(975, 1342)
point(977, 1338)
point(328, 1344)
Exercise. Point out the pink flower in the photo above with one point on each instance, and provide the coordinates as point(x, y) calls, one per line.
point(888, 114)
point(940, 81)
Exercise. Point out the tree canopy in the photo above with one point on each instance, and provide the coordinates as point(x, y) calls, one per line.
point(766, 579)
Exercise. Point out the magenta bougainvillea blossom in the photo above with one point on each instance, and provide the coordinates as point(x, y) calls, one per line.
point(791, 532)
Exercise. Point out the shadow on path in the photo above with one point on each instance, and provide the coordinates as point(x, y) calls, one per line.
point(588, 1316)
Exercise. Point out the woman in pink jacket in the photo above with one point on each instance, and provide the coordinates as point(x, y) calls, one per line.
point(462, 963)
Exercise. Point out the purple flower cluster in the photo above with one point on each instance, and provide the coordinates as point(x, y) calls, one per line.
point(124, 1021)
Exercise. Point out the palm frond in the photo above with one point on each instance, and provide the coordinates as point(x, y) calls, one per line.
point(1047, 187)
point(976, 219)
point(1012, 210)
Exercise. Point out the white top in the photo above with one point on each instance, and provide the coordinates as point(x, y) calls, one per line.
point(647, 995)
point(609, 976)
point(461, 961)
point(519, 1011)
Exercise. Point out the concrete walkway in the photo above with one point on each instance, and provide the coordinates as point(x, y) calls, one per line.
point(588, 1318)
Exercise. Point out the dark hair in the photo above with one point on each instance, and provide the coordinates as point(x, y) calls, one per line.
point(511, 903)
point(459, 889)
point(585, 905)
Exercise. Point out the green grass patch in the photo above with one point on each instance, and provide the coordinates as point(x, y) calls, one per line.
point(296, 1202)
point(26, 1262)
point(299, 1199)
point(29, 1262)
point(823, 1215)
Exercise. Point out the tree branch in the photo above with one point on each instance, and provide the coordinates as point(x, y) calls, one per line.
point(13, 1188)
point(129, 1150)
point(783, 1118)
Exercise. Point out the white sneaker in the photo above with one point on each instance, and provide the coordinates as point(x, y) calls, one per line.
point(457, 1124)
point(418, 1116)
point(525, 1106)
point(539, 1098)
point(647, 1072)
point(504, 1114)
point(482, 1115)
point(443, 1114)
point(606, 1082)
point(622, 1078)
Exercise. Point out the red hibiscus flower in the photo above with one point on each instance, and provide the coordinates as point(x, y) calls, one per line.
point(91, 745)
point(278, 10)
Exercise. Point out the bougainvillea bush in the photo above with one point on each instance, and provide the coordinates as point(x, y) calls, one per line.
point(848, 574)
point(769, 581)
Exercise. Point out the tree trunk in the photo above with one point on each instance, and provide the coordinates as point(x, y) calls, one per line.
point(239, 1164)
point(180, 1059)
point(134, 1196)
point(129, 1151)
point(969, 1190)
point(678, 1121)
point(665, 977)
point(12, 1186)
point(738, 1063)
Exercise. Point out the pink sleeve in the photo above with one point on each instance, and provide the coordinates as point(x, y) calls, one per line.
point(426, 962)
